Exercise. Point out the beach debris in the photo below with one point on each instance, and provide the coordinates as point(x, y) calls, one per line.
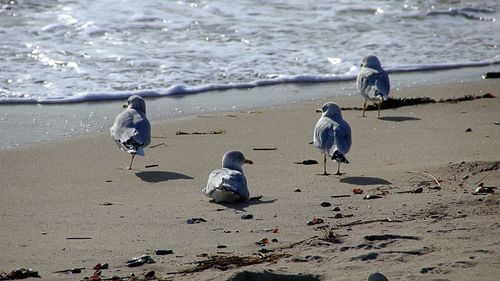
point(297, 190)
point(138, 261)
point(357, 191)
point(216, 132)
point(162, 252)
point(377, 276)
point(268, 275)
point(75, 270)
point(100, 266)
point(497, 122)
point(227, 262)
point(418, 189)
point(265, 148)
point(425, 270)
point(366, 257)
point(393, 103)
point(108, 181)
point(468, 130)
point(150, 274)
point(263, 250)
point(338, 216)
point(332, 237)
point(325, 204)
point(220, 246)
point(336, 209)
point(372, 196)
point(379, 237)
point(484, 189)
point(491, 75)
point(78, 238)
point(307, 258)
point(315, 221)
point(307, 162)
point(246, 216)
point(274, 240)
point(19, 273)
point(340, 196)
point(195, 220)
point(262, 242)
point(151, 166)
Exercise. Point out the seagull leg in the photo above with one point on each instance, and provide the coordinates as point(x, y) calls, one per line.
point(338, 170)
point(130, 166)
point(324, 165)
point(364, 108)
point(379, 105)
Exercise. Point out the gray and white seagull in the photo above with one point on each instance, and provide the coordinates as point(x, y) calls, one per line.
point(332, 135)
point(131, 130)
point(373, 82)
point(229, 184)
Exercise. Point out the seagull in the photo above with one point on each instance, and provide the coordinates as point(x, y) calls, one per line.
point(229, 183)
point(332, 135)
point(373, 82)
point(131, 130)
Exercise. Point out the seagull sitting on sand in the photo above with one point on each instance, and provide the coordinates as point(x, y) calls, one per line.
point(373, 82)
point(131, 130)
point(332, 135)
point(229, 183)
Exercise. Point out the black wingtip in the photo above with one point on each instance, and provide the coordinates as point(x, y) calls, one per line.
point(339, 157)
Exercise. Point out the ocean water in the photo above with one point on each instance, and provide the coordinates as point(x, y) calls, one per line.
point(62, 51)
point(62, 61)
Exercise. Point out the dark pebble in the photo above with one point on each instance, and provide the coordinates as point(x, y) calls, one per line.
point(297, 190)
point(326, 204)
point(468, 130)
point(246, 216)
point(338, 216)
point(336, 209)
point(221, 246)
point(163, 252)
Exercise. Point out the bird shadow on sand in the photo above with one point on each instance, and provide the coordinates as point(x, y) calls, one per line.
point(364, 181)
point(241, 205)
point(160, 176)
point(399, 118)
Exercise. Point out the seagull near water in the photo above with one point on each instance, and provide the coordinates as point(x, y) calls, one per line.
point(229, 184)
point(131, 130)
point(373, 82)
point(332, 135)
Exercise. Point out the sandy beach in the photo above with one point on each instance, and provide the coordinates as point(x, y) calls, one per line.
point(70, 204)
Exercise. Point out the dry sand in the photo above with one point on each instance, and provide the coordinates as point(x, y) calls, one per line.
point(76, 189)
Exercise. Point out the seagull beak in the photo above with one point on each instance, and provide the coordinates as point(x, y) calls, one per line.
point(319, 111)
point(247, 161)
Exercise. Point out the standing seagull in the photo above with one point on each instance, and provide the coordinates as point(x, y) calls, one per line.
point(373, 82)
point(131, 129)
point(332, 135)
point(229, 183)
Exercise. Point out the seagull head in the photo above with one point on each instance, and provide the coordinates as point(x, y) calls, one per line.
point(136, 102)
point(234, 160)
point(330, 109)
point(371, 61)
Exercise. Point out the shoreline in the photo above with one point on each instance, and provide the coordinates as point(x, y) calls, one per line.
point(75, 188)
point(32, 124)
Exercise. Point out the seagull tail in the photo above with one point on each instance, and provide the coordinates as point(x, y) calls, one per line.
point(339, 157)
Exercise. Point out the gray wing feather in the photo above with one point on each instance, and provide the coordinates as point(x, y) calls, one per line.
point(227, 180)
point(371, 81)
point(131, 124)
point(330, 136)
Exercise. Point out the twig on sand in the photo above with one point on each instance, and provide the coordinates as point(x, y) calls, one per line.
point(359, 222)
point(426, 174)
point(485, 177)
point(156, 145)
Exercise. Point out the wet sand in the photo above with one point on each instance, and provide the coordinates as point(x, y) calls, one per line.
point(69, 204)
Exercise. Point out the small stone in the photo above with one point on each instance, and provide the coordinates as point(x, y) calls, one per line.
point(263, 250)
point(336, 209)
point(246, 216)
point(274, 240)
point(338, 216)
point(468, 130)
point(162, 252)
point(377, 276)
point(221, 246)
point(419, 189)
point(150, 274)
point(297, 190)
point(326, 204)
point(465, 177)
